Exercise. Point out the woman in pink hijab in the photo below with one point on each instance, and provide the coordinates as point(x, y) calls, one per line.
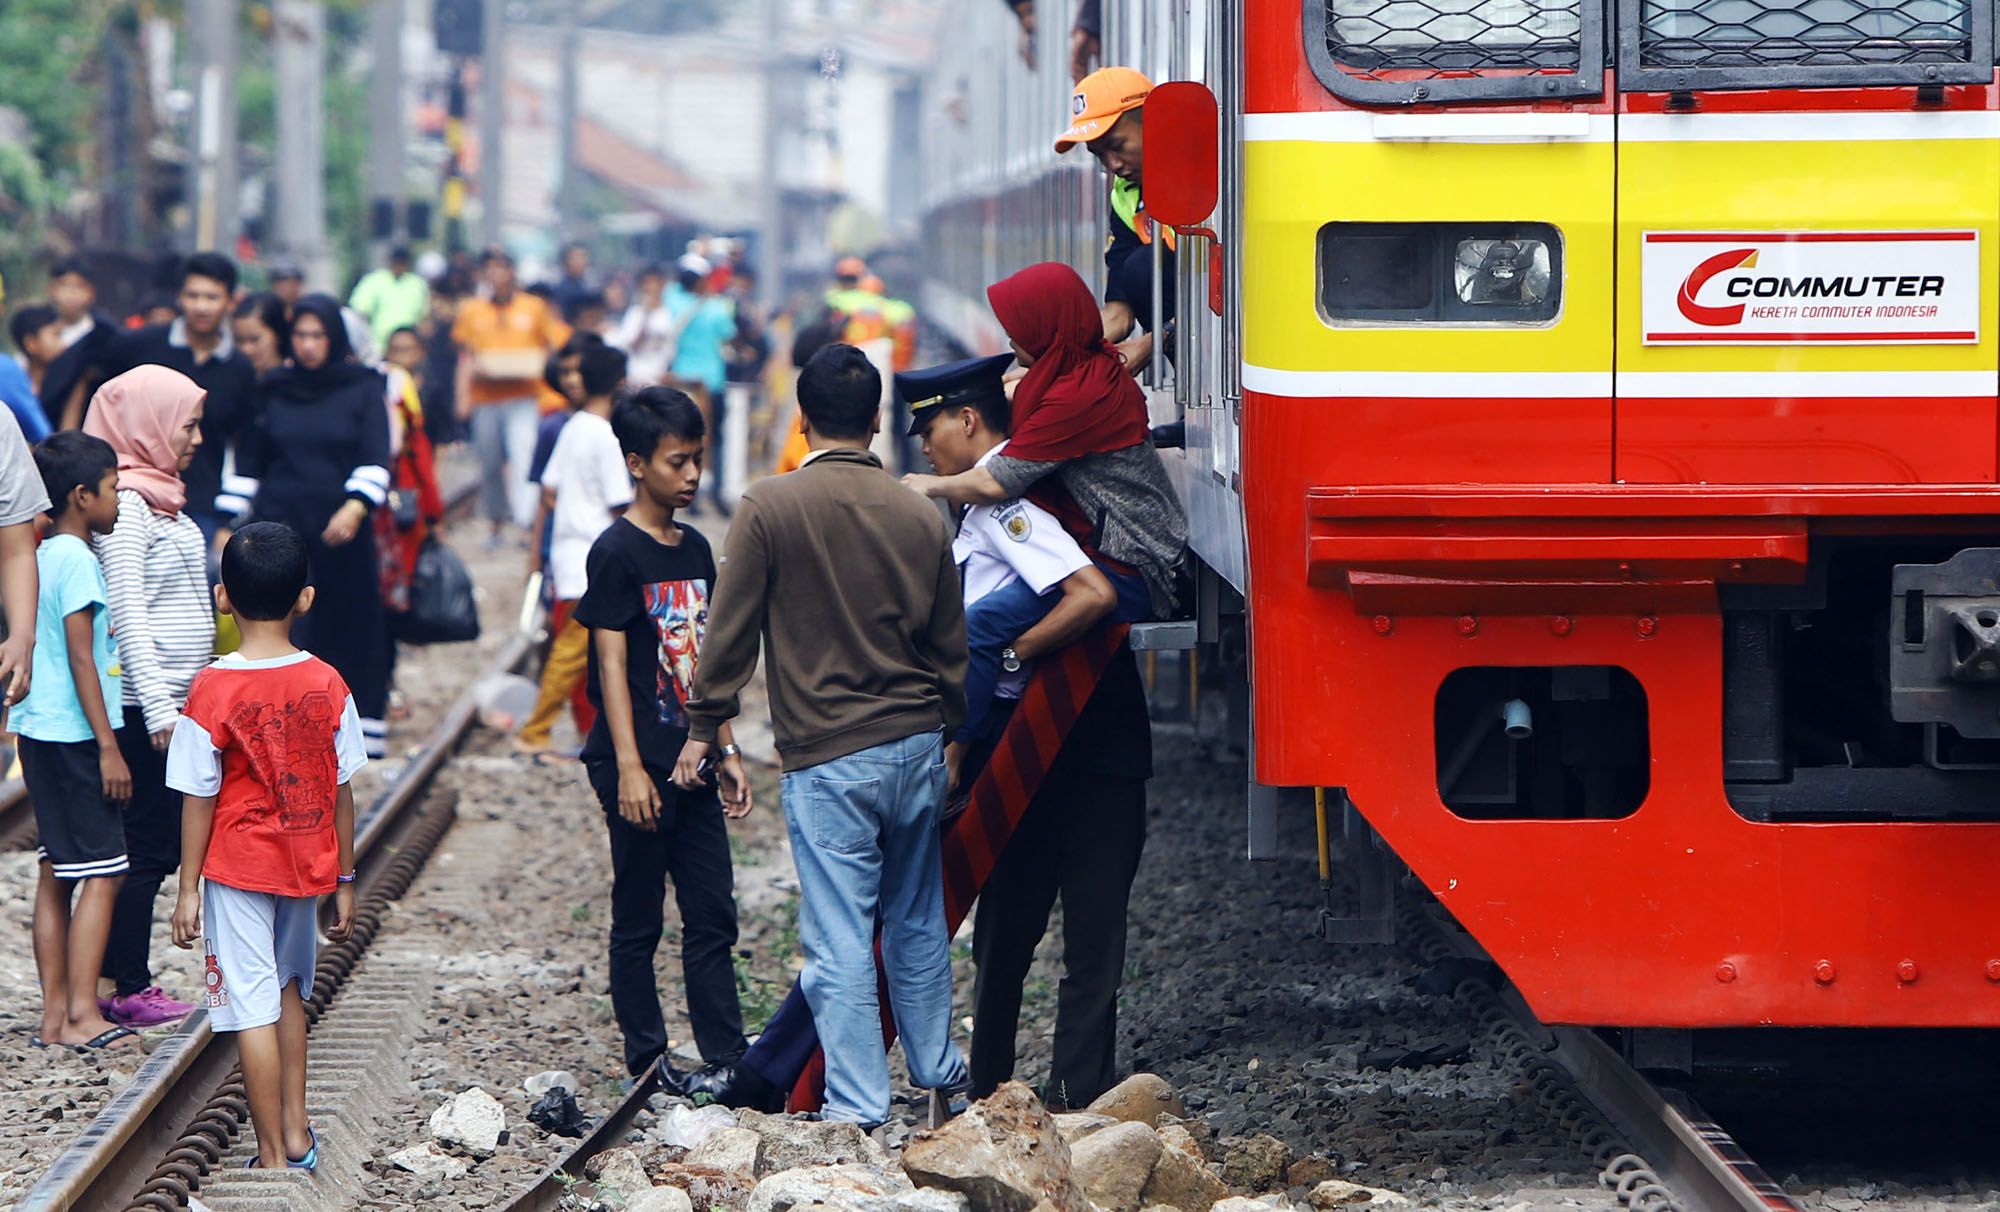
point(163, 618)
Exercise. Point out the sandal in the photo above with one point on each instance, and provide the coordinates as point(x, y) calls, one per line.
point(108, 1038)
point(310, 1162)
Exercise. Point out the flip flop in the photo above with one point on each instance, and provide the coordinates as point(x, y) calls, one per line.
point(101, 1042)
point(36, 1041)
point(310, 1162)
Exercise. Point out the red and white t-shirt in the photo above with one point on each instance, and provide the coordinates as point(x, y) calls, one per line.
point(273, 741)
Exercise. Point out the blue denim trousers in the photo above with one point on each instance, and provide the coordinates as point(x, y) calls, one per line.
point(864, 832)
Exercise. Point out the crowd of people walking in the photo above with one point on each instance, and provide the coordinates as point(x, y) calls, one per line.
point(252, 475)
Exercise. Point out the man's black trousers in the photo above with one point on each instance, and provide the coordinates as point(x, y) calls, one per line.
point(1079, 839)
point(691, 844)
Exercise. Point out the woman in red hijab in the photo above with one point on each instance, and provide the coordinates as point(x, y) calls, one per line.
point(1081, 443)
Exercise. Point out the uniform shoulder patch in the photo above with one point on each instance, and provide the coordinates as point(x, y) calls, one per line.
point(1014, 521)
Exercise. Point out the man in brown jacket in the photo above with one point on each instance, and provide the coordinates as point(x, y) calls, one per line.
point(848, 580)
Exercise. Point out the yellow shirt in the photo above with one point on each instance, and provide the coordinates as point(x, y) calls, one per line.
point(524, 323)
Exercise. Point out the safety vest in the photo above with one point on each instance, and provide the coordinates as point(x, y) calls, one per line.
point(1131, 211)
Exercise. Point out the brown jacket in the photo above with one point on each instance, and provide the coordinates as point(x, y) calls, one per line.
point(848, 579)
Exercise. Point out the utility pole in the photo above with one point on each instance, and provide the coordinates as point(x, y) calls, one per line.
point(770, 220)
point(212, 24)
point(492, 105)
point(298, 57)
point(385, 127)
point(569, 49)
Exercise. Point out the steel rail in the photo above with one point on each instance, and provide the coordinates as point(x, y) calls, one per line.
point(1680, 1152)
point(120, 1152)
point(1697, 1158)
point(547, 1193)
point(17, 815)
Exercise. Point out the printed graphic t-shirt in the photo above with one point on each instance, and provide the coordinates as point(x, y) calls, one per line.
point(658, 596)
point(273, 741)
point(70, 581)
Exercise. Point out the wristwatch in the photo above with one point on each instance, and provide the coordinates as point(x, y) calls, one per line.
point(1009, 662)
point(727, 751)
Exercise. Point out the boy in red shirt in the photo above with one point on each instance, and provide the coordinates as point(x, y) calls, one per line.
point(263, 751)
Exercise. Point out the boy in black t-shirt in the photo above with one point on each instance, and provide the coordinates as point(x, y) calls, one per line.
point(646, 607)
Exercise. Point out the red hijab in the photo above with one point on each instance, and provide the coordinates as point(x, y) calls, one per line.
point(1078, 398)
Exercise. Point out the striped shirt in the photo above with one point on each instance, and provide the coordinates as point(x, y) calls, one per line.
point(162, 616)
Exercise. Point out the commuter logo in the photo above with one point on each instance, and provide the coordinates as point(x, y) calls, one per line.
point(1787, 288)
point(1714, 317)
point(1077, 104)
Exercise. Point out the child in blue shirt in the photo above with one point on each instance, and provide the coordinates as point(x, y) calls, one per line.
point(77, 779)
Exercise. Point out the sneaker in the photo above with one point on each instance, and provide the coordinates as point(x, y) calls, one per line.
point(147, 1008)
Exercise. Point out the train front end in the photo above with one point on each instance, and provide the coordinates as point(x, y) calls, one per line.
point(1620, 425)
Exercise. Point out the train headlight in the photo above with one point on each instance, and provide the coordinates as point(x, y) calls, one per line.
point(1503, 273)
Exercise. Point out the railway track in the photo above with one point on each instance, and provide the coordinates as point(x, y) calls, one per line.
point(150, 1146)
point(1655, 1147)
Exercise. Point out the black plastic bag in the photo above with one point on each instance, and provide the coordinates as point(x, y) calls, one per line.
point(556, 1112)
point(442, 608)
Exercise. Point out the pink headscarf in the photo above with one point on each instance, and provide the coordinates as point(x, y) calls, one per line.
point(138, 413)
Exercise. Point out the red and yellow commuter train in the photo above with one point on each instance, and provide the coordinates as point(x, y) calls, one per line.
point(1599, 417)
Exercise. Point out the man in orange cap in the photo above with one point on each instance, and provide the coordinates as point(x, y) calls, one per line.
point(1107, 115)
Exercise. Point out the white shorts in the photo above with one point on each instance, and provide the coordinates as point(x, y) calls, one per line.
point(258, 942)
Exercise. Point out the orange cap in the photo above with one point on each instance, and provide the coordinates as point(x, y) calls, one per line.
point(871, 284)
point(1098, 101)
point(849, 267)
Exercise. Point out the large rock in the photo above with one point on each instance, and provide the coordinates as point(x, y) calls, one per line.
point(790, 1144)
point(1311, 1171)
point(710, 1188)
point(1338, 1193)
point(660, 1199)
point(729, 1149)
point(1183, 1182)
point(1193, 1129)
point(1073, 1126)
point(1142, 1098)
point(619, 1170)
point(1003, 1154)
point(1177, 1137)
point(427, 1159)
point(471, 1120)
point(1113, 1165)
point(1256, 1163)
point(849, 1188)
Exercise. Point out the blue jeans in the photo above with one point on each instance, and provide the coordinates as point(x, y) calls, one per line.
point(997, 620)
point(864, 832)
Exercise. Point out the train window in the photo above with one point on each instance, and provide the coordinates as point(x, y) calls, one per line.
point(1550, 742)
point(1440, 273)
point(1678, 44)
point(1405, 51)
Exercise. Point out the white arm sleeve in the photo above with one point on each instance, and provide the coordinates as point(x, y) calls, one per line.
point(194, 764)
point(350, 754)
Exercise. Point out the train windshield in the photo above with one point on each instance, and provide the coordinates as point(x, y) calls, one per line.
point(1403, 51)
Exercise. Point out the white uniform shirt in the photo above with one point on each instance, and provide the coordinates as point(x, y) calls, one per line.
point(587, 473)
point(1015, 540)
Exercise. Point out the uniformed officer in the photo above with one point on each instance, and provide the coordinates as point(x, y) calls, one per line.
point(1107, 116)
point(1031, 590)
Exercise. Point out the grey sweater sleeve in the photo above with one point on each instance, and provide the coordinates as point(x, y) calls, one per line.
point(735, 627)
point(1017, 476)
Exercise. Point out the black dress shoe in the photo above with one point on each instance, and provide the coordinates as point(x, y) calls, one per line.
point(734, 1085)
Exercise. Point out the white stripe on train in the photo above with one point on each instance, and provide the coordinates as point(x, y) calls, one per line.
point(1591, 384)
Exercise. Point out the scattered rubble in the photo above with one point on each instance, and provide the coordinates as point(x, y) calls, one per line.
point(1004, 1155)
point(428, 1160)
point(471, 1120)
